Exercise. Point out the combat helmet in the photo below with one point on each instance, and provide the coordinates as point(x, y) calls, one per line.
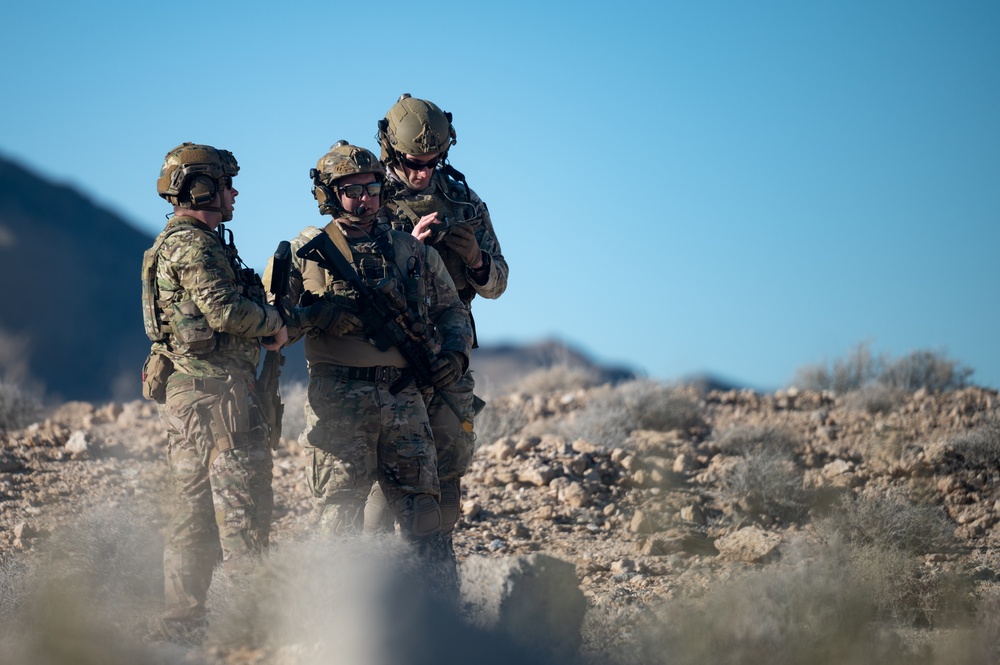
point(342, 160)
point(191, 172)
point(415, 127)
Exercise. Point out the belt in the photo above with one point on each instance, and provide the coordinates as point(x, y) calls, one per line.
point(371, 374)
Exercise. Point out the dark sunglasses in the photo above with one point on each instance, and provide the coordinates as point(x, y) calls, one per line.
point(226, 181)
point(356, 191)
point(417, 166)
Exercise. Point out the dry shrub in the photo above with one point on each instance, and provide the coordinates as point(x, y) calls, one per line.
point(612, 414)
point(925, 369)
point(905, 592)
point(977, 450)
point(88, 596)
point(884, 448)
point(498, 419)
point(746, 439)
point(811, 612)
point(558, 378)
point(874, 399)
point(16, 578)
point(661, 408)
point(931, 370)
point(18, 407)
point(858, 368)
point(766, 482)
point(813, 609)
point(891, 523)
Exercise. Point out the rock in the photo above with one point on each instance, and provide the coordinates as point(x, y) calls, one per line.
point(471, 509)
point(79, 443)
point(534, 600)
point(640, 523)
point(575, 495)
point(684, 464)
point(539, 476)
point(24, 530)
point(10, 462)
point(693, 514)
point(749, 544)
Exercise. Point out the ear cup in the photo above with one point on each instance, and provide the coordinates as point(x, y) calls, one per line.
point(201, 190)
point(321, 193)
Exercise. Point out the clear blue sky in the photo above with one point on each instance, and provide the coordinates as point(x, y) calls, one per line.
point(735, 187)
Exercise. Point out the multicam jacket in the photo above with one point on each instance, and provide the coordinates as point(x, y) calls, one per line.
point(210, 307)
point(455, 201)
point(419, 276)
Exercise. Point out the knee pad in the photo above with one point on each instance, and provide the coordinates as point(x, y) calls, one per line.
point(451, 504)
point(426, 515)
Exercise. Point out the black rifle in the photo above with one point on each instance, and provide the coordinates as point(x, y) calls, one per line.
point(267, 385)
point(386, 318)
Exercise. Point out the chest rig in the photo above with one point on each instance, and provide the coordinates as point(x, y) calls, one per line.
point(374, 258)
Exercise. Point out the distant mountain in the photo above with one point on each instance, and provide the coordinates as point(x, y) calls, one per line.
point(499, 367)
point(71, 321)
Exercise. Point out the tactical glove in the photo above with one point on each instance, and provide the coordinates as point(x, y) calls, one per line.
point(325, 314)
point(447, 369)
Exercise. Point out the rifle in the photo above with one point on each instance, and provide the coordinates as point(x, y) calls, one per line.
point(268, 384)
point(386, 318)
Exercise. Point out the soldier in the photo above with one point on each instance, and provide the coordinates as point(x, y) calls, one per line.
point(204, 312)
point(428, 198)
point(357, 429)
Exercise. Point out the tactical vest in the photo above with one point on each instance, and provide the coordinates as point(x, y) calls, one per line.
point(170, 316)
point(451, 206)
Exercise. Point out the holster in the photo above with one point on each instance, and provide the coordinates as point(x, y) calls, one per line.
point(155, 372)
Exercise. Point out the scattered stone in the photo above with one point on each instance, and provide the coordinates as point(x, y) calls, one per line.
point(749, 544)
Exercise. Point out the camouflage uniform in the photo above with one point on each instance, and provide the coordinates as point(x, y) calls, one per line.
point(220, 462)
point(456, 202)
point(356, 430)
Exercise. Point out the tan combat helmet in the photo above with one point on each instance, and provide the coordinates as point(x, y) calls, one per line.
point(191, 172)
point(415, 127)
point(342, 160)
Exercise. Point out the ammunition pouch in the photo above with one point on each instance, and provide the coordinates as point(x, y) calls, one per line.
point(191, 332)
point(155, 372)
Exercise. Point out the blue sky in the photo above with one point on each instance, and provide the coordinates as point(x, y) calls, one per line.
point(742, 188)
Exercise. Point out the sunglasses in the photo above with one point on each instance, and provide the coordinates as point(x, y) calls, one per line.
point(226, 181)
point(417, 166)
point(357, 191)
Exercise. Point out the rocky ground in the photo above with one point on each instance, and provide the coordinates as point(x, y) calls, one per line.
point(646, 515)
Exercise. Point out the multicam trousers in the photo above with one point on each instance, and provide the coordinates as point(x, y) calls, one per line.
point(357, 432)
point(454, 448)
point(221, 469)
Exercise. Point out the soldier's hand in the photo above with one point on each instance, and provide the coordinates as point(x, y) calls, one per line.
point(327, 315)
point(447, 369)
point(279, 340)
point(462, 240)
point(424, 229)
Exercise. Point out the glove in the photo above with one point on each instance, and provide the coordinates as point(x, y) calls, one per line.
point(447, 369)
point(324, 313)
